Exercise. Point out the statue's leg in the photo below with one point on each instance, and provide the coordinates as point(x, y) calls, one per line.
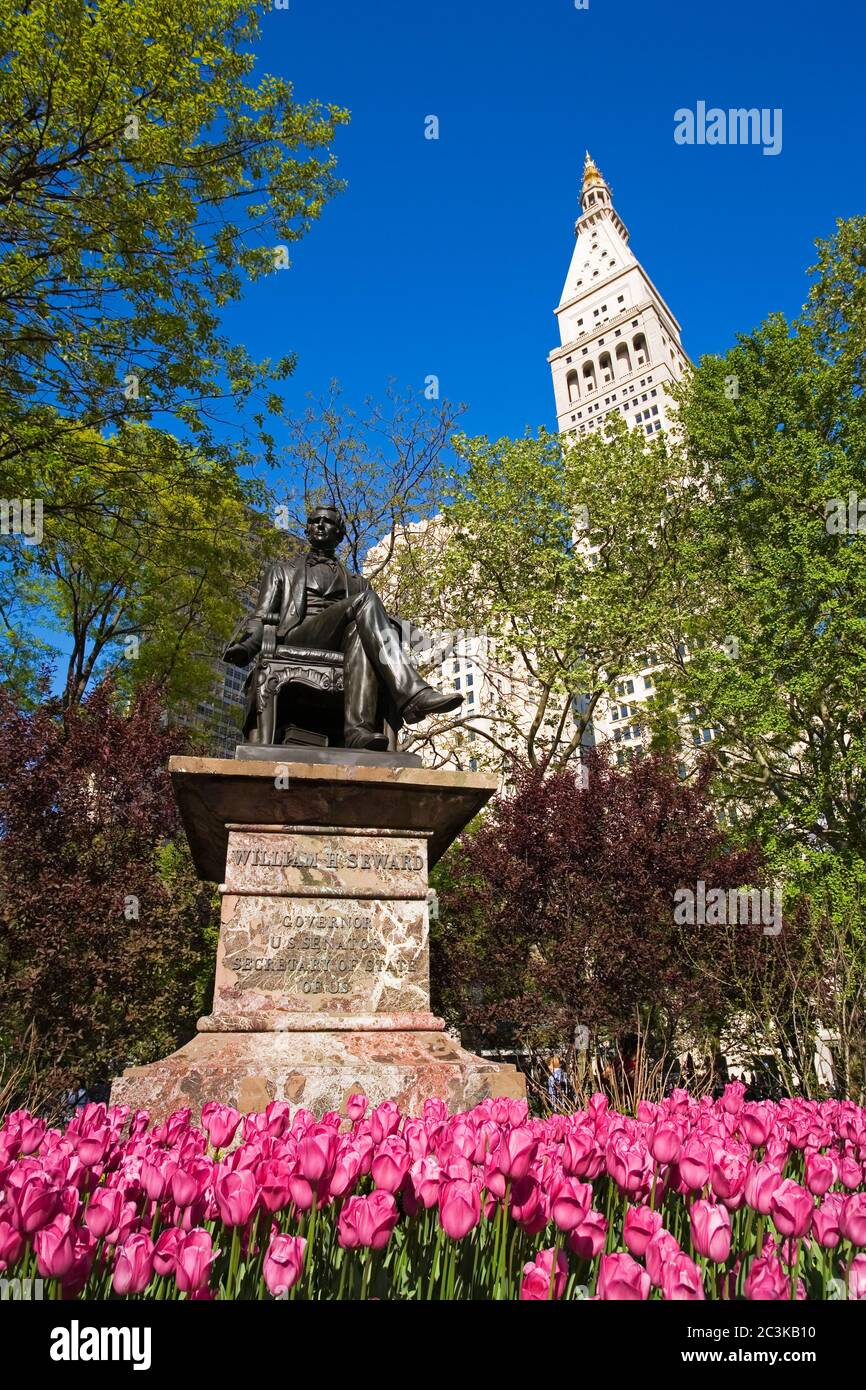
point(384, 649)
point(360, 686)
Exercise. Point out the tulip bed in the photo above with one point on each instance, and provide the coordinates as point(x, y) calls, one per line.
point(690, 1199)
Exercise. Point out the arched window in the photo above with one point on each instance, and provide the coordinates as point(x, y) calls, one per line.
point(588, 376)
point(640, 349)
point(573, 386)
point(605, 367)
point(623, 360)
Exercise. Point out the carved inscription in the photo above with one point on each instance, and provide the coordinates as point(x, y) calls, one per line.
point(348, 949)
point(326, 865)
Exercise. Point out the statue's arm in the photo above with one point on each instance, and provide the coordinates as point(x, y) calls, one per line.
point(247, 637)
point(270, 594)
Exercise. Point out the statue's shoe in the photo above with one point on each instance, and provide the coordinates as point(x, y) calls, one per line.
point(428, 702)
point(366, 738)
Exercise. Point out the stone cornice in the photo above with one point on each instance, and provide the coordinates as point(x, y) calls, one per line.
point(604, 328)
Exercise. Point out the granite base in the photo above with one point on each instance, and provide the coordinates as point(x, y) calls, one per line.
point(316, 1070)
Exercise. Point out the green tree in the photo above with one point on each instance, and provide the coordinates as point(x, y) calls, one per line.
point(144, 179)
point(768, 592)
point(772, 580)
point(552, 554)
point(145, 549)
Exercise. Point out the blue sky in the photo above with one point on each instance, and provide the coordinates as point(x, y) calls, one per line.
point(448, 256)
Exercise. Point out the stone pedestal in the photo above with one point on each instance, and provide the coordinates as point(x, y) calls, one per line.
point(322, 977)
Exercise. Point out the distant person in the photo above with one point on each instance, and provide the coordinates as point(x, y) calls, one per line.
point(76, 1099)
point(557, 1081)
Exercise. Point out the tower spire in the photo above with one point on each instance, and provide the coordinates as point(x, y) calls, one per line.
point(593, 183)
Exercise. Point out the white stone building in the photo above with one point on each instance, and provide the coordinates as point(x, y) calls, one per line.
point(620, 347)
point(620, 343)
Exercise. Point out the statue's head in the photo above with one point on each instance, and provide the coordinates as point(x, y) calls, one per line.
point(325, 527)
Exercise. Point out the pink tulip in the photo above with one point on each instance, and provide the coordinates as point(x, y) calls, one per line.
point(628, 1164)
point(588, 1240)
point(857, 1277)
point(620, 1277)
point(55, 1248)
point(236, 1195)
point(791, 1209)
point(732, 1097)
point(694, 1164)
point(34, 1204)
point(570, 1202)
point(384, 1120)
point(194, 1259)
point(185, 1187)
point(92, 1149)
point(425, 1175)
point(278, 1117)
point(390, 1163)
point(728, 1176)
point(661, 1248)
point(641, 1224)
point(578, 1150)
point(666, 1143)
point(766, 1281)
point(850, 1172)
point(31, 1134)
point(756, 1123)
point(283, 1263)
point(133, 1265)
point(274, 1179)
point(104, 1211)
point(681, 1280)
point(73, 1281)
point(826, 1221)
point(165, 1250)
point(517, 1148)
point(535, 1286)
point(317, 1155)
point(820, 1173)
point(355, 1107)
point(711, 1231)
point(459, 1207)
point(11, 1245)
point(852, 1220)
point(221, 1123)
point(367, 1221)
point(155, 1177)
point(346, 1171)
point(762, 1180)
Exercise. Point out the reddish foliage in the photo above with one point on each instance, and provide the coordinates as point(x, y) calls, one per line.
point(559, 909)
point(105, 934)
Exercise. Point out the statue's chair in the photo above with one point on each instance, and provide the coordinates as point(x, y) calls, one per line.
point(297, 695)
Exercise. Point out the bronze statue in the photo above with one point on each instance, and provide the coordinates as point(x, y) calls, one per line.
point(319, 632)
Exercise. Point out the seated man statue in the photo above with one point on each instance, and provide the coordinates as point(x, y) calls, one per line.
point(319, 604)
